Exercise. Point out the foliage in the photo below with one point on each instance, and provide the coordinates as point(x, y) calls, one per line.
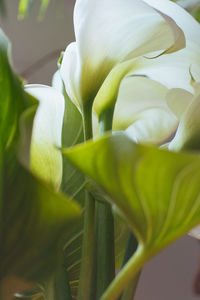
point(60, 154)
point(34, 218)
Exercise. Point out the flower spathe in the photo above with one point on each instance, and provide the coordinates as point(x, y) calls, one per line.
point(45, 157)
point(110, 35)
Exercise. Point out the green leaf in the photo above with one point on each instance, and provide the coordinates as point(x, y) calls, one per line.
point(34, 219)
point(13, 99)
point(157, 191)
point(73, 181)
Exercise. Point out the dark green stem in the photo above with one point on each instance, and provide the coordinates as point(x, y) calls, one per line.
point(104, 229)
point(87, 121)
point(132, 245)
point(129, 271)
point(105, 121)
point(61, 285)
point(105, 247)
point(88, 245)
point(130, 290)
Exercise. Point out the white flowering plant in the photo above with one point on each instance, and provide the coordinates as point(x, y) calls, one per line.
point(100, 171)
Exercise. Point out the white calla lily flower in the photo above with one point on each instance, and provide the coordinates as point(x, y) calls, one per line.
point(45, 157)
point(110, 36)
point(151, 113)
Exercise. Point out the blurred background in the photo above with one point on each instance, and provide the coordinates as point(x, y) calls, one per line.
point(35, 49)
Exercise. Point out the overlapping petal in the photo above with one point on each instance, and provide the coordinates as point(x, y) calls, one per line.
point(136, 95)
point(46, 159)
point(178, 100)
point(142, 110)
point(155, 126)
point(188, 132)
point(111, 32)
point(173, 70)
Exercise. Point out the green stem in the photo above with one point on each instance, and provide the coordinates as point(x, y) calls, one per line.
point(132, 245)
point(104, 229)
point(105, 121)
point(87, 121)
point(130, 290)
point(105, 247)
point(61, 284)
point(130, 270)
point(88, 245)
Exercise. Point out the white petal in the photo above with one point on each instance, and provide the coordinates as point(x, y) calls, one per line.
point(112, 29)
point(57, 82)
point(188, 132)
point(173, 70)
point(178, 101)
point(182, 18)
point(154, 126)
point(46, 159)
point(109, 32)
point(137, 94)
point(70, 73)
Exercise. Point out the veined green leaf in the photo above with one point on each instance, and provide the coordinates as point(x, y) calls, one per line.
point(157, 191)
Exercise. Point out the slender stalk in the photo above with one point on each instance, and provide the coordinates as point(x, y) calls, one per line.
point(88, 246)
point(130, 270)
point(61, 284)
point(130, 290)
point(105, 122)
point(87, 261)
point(105, 247)
point(104, 230)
